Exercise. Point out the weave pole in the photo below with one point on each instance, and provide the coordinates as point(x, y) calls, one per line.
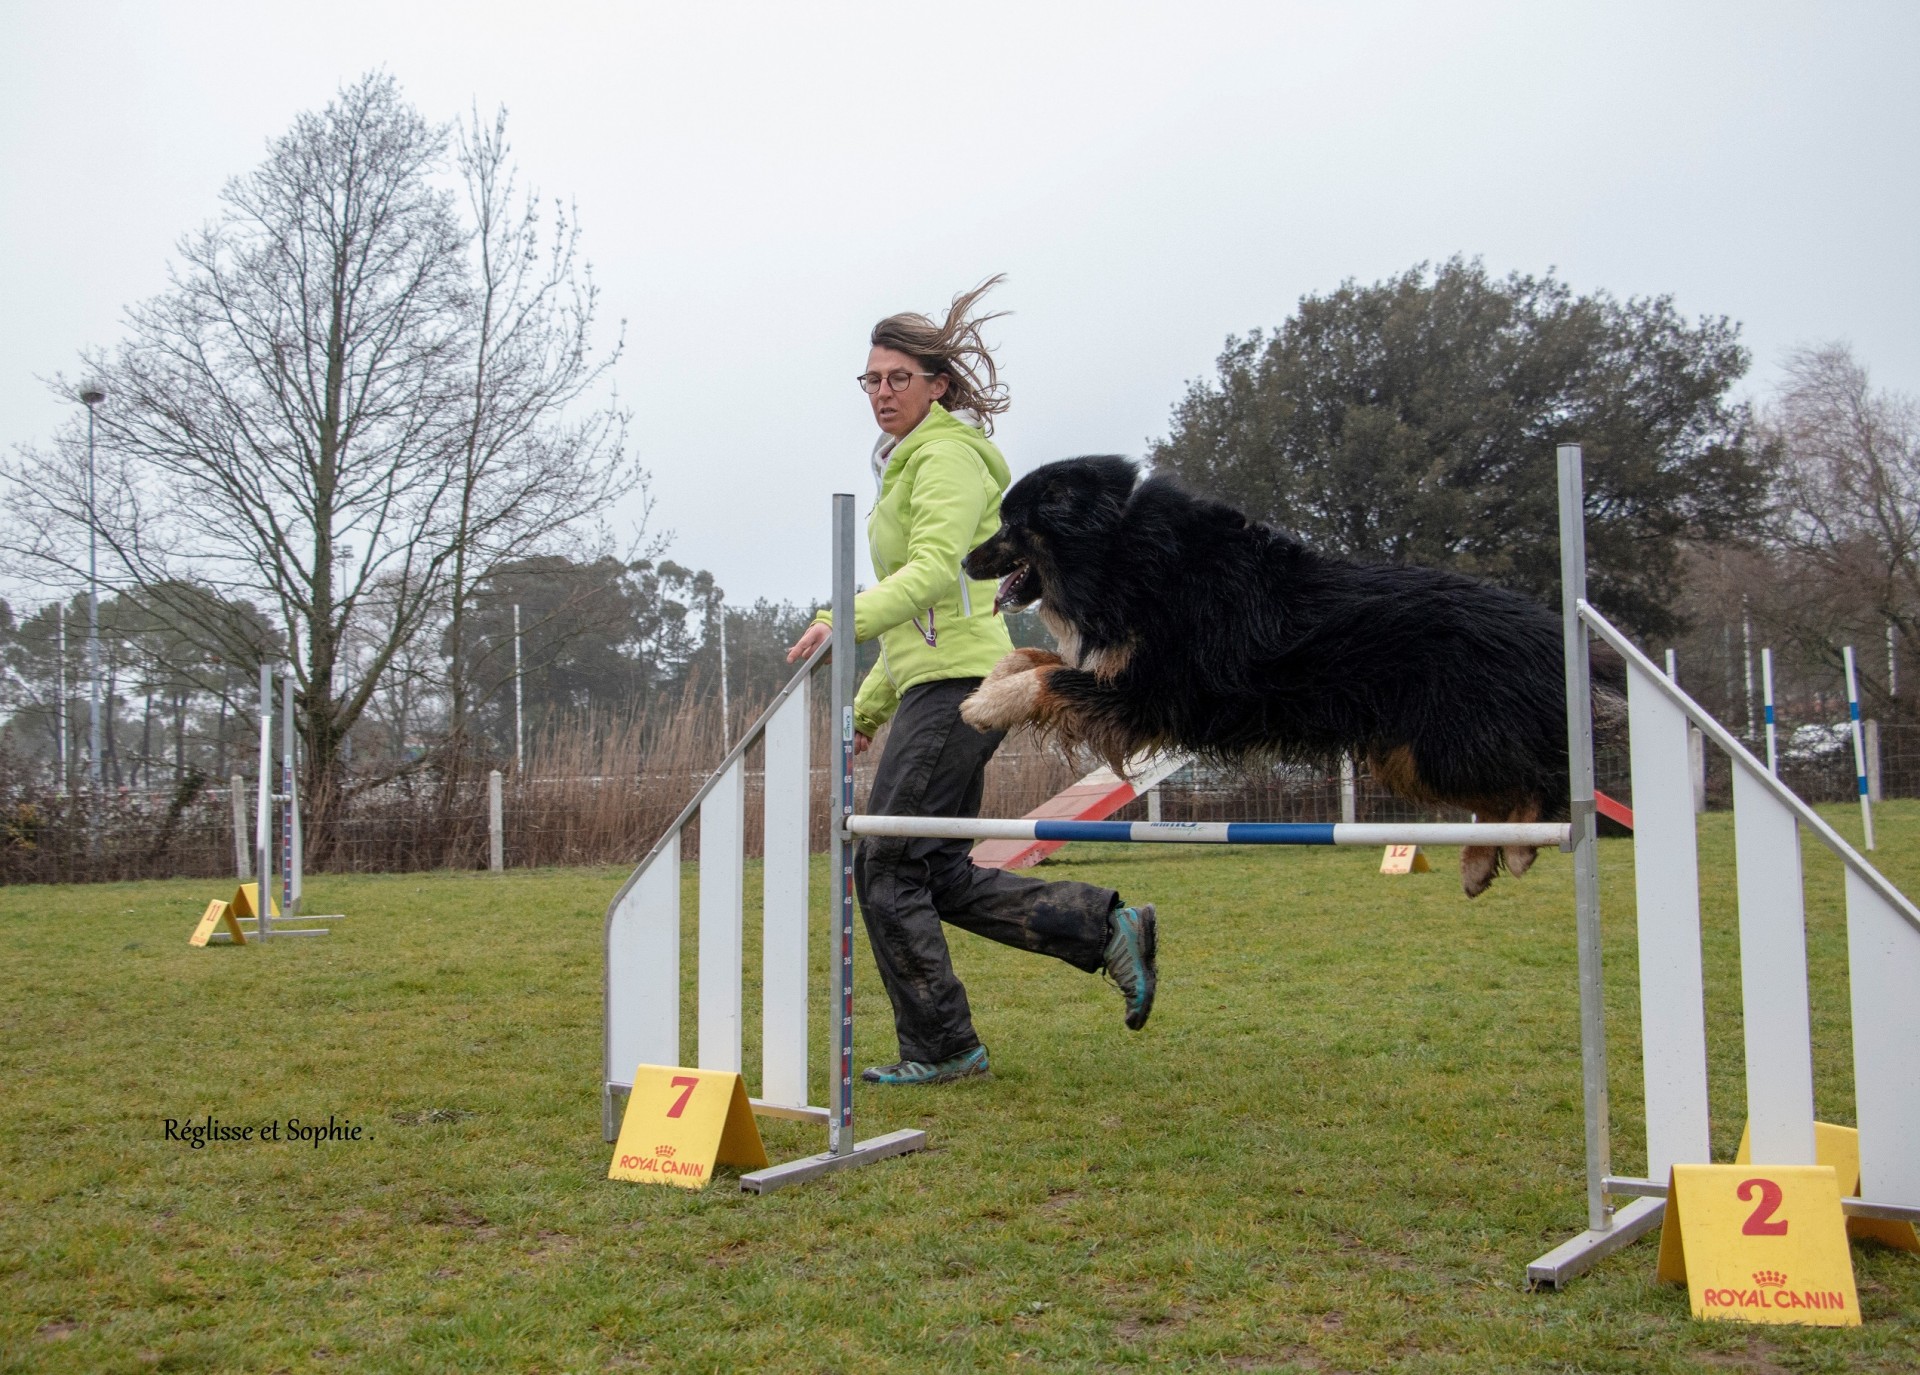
point(1766, 683)
point(1859, 748)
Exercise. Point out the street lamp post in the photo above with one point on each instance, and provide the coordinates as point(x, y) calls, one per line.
point(93, 393)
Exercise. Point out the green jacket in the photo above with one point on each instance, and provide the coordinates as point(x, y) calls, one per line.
point(939, 497)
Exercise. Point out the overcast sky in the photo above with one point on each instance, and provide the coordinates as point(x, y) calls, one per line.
point(759, 183)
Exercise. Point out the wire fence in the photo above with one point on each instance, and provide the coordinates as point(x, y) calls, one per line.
point(615, 816)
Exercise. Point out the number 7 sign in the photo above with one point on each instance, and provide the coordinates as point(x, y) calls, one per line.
point(1760, 1243)
point(680, 1123)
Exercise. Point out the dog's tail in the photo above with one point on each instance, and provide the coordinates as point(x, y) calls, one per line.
point(1609, 677)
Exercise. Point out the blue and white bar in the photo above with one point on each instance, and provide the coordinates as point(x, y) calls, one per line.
point(1216, 832)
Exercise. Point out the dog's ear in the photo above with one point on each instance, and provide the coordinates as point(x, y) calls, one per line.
point(1058, 497)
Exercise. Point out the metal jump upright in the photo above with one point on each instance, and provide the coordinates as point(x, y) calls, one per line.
point(642, 1024)
point(291, 845)
point(1883, 946)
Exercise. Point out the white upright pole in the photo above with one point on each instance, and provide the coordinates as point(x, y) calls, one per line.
point(1746, 661)
point(1766, 682)
point(1859, 748)
point(93, 395)
point(726, 718)
point(242, 860)
point(60, 700)
point(519, 705)
point(263, 822)
point(496, 827)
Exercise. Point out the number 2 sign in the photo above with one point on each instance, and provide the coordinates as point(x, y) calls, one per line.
point(1759, 1243)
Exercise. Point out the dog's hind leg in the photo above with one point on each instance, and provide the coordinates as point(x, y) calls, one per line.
point(1520, 858)
point(1478, 864)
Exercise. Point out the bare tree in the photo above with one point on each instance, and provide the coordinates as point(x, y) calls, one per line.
point(1848, 494)
point(334, 410)
point(525, 467)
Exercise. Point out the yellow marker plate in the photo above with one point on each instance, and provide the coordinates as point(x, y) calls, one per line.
point(246, 900)
point(216, 913)
point(1760, 1243)
point(1840, 1148)
point(680, 1123)
point(1404, 859)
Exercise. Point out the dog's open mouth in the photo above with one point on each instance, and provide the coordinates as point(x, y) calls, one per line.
point(1018, 590)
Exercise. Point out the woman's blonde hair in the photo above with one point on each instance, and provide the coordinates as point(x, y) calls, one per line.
point(953, 349)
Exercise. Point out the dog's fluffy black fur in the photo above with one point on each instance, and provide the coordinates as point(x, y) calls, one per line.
point(1184, 625)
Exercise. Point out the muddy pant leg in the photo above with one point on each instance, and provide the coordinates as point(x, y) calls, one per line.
point(935, 765)
point(930, 1011)
point(1066, 919)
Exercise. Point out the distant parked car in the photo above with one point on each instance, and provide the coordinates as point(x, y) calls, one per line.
point(1816, 744)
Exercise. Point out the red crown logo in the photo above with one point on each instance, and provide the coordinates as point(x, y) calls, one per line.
point(1769, 1277)
point(666, 1151)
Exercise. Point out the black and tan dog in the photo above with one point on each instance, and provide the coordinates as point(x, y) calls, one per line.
point(1183, 625)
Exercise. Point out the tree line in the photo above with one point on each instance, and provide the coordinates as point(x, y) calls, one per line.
point(1415, 419)
point(370, 421)
point(367, 417)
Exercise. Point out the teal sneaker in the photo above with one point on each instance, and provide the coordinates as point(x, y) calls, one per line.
point(962, 1066)
point(1131, 952)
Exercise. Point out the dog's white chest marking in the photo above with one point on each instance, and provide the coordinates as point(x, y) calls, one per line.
point(1106, 663)
point(1064, 635)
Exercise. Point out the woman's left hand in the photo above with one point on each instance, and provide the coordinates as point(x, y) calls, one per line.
point(817, 634)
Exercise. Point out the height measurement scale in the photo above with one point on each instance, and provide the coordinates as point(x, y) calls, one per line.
point(289, 806)
point(840, 1126)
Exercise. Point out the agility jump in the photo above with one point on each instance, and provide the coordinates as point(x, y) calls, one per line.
point(1554, 833)
point(643, 934)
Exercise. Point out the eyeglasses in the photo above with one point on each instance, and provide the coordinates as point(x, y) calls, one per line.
point(898, 380)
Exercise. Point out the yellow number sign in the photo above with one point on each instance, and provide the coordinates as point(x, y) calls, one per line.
point(1404, 859)
point(246, 901)
point(680, 1123)
point(217, 912)
point(1760, 1243)
point(1840, 1148)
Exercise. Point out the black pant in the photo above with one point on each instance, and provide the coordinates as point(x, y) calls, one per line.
point(935, 765)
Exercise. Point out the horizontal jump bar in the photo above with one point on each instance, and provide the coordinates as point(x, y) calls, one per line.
point(1216, 832)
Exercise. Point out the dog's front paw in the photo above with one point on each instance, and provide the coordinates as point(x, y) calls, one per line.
point(1022, 661)
point(1003, 701)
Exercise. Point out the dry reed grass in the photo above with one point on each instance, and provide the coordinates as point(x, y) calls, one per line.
point(603, 789)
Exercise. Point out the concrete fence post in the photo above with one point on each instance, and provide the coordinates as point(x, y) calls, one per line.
point(1872, 731)
point(242, 856)
point(1348, 808)
point(1697, 767)
point(496, 837)
point(1153, 803)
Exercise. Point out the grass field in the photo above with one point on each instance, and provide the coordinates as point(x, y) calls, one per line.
point(1353, 1120)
